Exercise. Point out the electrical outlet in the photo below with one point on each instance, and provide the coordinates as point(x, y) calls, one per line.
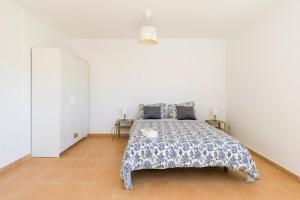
point(229, 127)
point(75, 135)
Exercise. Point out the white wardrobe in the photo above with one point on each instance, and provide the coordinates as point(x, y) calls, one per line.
point(59, 101)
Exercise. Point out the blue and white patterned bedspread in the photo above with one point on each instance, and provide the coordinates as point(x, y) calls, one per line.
point(186, 143)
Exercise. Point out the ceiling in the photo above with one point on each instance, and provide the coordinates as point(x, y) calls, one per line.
point(122, 18)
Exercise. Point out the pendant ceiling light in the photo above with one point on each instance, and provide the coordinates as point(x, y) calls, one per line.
point(148, 33)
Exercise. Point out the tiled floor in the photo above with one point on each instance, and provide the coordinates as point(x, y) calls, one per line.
point(90, 170)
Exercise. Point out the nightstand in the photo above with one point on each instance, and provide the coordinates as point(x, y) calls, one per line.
point(123, 123)
point(219, 124)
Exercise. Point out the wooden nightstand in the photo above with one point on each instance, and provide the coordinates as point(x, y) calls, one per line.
point(123, 123)
point(219, 124)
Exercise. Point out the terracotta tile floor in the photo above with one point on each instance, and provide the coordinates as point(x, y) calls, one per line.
point(90, 170)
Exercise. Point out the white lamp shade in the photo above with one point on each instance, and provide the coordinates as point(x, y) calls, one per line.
point(124, 111)
point(148, 35)
point(214, 111)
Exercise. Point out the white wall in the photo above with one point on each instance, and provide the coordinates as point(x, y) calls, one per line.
point(12, 112)
point(263, 81)
point(125, 73)
point(19, 32)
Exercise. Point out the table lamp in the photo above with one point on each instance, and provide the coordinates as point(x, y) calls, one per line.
point(214, 112)
point(124, 112)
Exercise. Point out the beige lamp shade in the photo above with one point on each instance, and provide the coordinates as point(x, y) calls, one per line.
point(148, 35)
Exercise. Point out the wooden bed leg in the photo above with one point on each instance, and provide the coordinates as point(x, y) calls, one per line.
point(225, 169)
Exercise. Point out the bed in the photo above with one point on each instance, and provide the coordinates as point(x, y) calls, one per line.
point(183, 143)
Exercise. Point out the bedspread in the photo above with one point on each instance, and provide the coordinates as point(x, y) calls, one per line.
point(183, 143)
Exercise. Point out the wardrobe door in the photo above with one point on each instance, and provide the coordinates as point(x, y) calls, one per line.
point(71, 101)
point(77, 76)
point(86, 99)
point(84, 93)
point(46, 101)
point(68, 100)
point(75, 98)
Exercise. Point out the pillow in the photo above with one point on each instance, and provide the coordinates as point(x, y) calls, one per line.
point(152, 112)
point(163, 110)
point(185, 113)
point(172, 108)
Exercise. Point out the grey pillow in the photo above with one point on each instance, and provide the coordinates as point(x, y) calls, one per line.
point(172, 108)
point(185, 113)
point(152, 112)
point(163, 110)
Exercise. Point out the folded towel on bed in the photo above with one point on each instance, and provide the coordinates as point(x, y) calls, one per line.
point(148, 132)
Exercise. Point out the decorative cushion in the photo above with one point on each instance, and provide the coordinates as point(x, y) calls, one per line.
point(172, 112)
point(152, 112)
point(185, 113)
point(163, 110)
